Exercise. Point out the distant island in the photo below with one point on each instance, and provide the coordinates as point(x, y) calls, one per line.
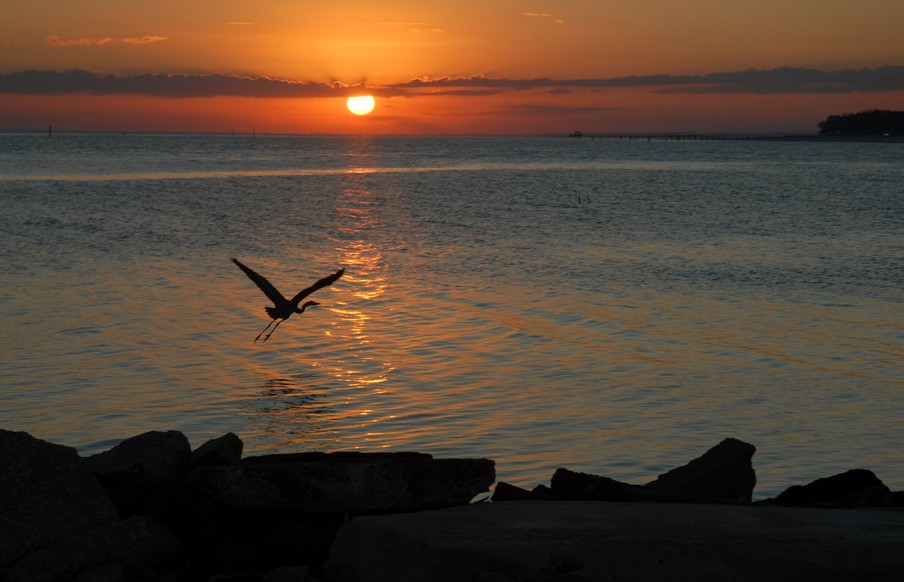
point(872, 122)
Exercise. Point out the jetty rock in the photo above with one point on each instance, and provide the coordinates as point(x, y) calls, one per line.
point(723, 474)
point(45, 496)
point(854, 488)
point(151, 508)
point(56, 519)
point(345, 482)
point(158, 454)
point(581, 541)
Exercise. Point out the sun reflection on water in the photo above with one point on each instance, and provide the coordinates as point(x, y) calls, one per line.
point(358, 215)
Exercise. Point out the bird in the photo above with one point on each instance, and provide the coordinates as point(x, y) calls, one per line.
point(283, 308)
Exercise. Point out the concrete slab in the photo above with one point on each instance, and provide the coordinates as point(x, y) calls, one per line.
point(579, 541)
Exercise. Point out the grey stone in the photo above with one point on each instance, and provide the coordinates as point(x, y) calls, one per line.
point(45, 496)
point(723, 472)
point(159, 454)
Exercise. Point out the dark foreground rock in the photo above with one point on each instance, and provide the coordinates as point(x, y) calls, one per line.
point(724, 474)
point(45, 496)
point(343, 482)
point(152, 509)
point(854, 488)
point(135, 546)
point(584, 541)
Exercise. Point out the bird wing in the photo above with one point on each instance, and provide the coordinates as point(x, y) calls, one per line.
point(325, 282)
point(266, 286)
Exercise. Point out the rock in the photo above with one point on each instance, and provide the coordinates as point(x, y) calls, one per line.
point(542, 493)
point(172, 502)
point(289, 574)
point(159, 454)
point(506, 492)
point(45, 496)
point(345, 482)
point(854, 488)
point(102, 573)
point(138, 544)
point(573, 486)
point(225, 450)
point(582, 541)
point(723, 472)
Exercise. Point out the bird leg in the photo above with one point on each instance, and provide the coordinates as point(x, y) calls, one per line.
point(263, 330)
point(266, 337)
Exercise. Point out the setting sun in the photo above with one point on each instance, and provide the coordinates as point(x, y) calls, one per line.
point(361, 104)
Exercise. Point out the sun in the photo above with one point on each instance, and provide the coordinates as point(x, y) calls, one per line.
point(361, 104)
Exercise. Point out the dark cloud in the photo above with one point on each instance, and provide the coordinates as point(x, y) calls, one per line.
point(794, 80)
point(174, 86)
point(771, 81)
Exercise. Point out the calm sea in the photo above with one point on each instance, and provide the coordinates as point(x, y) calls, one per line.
point(614, 307)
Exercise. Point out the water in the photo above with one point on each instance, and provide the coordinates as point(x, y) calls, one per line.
point(614, 307)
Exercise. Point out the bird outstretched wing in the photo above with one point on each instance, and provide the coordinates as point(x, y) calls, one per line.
point(266, 286)
point(325, 282)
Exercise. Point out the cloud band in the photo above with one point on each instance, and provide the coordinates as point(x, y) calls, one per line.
point(770, 81)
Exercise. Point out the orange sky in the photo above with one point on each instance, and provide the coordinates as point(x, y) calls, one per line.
point(500, 66)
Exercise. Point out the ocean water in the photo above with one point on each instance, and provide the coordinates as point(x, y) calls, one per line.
point(615, 307)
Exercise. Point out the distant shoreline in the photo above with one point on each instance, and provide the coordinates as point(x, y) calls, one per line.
point(678, 136)
point(737, 137)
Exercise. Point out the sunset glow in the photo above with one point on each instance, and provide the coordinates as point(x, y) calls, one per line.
point(475, 67)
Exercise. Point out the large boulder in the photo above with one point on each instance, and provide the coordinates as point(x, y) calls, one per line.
point(580, 541)
point(45, 496)
point(345, 482)
point(159, 454)
point(136, 545)
point(225, 450)
point(725, 472)
point(854, 488)
point(570, 485)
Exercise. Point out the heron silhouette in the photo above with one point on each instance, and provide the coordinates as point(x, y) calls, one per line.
point(283, 308)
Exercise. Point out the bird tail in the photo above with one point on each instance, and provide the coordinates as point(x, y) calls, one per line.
point(271, 311)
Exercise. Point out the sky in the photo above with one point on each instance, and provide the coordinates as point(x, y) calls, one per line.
point(453, 67)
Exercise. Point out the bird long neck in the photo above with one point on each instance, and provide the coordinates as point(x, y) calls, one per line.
point(305, 305)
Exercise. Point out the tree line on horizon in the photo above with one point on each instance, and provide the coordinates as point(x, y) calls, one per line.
point(871, 122)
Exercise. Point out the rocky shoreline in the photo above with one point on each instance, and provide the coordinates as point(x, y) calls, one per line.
point(153, 509)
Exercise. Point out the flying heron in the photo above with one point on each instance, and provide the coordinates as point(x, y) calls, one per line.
point(283, 308)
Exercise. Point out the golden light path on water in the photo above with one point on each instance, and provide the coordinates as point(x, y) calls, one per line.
point(366, 272)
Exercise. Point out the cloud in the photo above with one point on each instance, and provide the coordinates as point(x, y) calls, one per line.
point(144, 39)
point(771, 81)
point(68, 42)
point(543, 15)
point(159, 85)
point(793, 80)
point(416, 27)
point(555, 109)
